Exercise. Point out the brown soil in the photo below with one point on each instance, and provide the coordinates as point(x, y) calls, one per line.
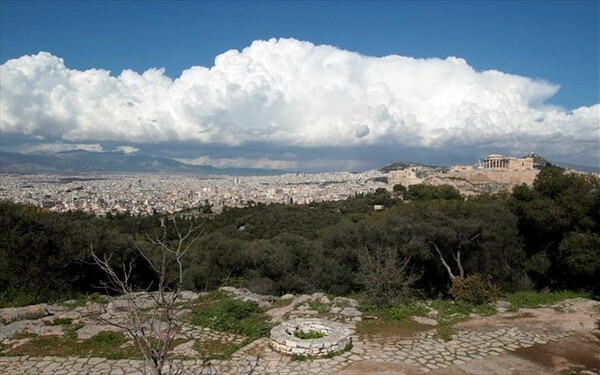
point(573, 355)
point(371, 367)
point(377, 331)
point(504, 364)
point(211, 347)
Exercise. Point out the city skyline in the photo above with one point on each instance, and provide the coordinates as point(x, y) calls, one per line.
point(303, 86)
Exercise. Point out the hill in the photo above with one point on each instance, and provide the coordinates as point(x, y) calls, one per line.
point(81, 162)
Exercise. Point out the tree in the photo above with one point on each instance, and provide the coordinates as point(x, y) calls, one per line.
point(152, 332)
point(580, 257)
point(559, 219)
point(429, 192)
point(472, 237)
point(385, 275)
point(400, 191)
point(450, 229)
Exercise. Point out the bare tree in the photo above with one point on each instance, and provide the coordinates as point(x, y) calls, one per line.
point(152, 330)
point(385, 275)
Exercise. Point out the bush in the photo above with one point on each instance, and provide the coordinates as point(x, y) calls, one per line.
point(474, 289)
point(385, 275)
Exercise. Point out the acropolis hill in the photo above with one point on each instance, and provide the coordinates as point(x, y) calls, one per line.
point(494, 173)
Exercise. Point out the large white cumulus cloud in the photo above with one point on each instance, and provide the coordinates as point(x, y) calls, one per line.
point(289, 92)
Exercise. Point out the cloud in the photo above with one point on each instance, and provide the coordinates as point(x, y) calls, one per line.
point(53, 147)
point(292, 93)
point(127, 149)
point(60, 147)
point(264, 163)
point(362, 131)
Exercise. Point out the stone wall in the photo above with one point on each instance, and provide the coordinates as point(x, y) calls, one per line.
point(483, 176)
point(336, 337)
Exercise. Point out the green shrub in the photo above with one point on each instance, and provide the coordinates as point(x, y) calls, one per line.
point(474, 289)
point(15, 297)
point(230, 315)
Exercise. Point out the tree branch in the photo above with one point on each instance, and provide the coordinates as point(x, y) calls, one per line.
point(452, 277)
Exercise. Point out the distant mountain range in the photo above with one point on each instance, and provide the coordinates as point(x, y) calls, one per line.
point(81, 162)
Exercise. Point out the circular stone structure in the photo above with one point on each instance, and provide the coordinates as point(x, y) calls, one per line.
point(335, 338)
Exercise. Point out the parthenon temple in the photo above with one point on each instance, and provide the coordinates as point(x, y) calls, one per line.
point(497, 161)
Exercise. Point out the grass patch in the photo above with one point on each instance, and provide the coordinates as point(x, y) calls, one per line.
point(299, 357)
point(229, 315)
point(302, 357)
point(280, 303)
point(375, 329)
point(218, 350)
point(519, 316)
point(23, 335)
point(398, 312)
point(535, 299)
point(81, 300)
point(451, 312)
point(107, 345)
point(104, 339)
point(62, 322)
point(212, 348)
point(445, 332)
point(71, 330)
point(320, 307)
point(456, 311)
point(308, 335)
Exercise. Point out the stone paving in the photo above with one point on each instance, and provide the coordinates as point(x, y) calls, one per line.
point(424, 352)
point(420, 353)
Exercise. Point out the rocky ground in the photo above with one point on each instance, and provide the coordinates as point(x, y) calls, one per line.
point(559, 339)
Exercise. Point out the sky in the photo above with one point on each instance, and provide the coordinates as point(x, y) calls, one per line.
point(305, 86)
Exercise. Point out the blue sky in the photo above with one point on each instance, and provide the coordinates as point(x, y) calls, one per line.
point(554, 41)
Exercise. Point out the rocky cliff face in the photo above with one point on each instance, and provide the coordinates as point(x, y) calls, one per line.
point(467, 182)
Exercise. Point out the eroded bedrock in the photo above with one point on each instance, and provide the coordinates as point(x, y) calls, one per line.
point(310, 337)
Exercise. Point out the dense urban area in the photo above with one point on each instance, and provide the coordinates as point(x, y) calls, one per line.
point(145, 194)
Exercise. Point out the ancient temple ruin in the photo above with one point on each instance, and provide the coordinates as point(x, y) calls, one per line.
point(497, 161)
